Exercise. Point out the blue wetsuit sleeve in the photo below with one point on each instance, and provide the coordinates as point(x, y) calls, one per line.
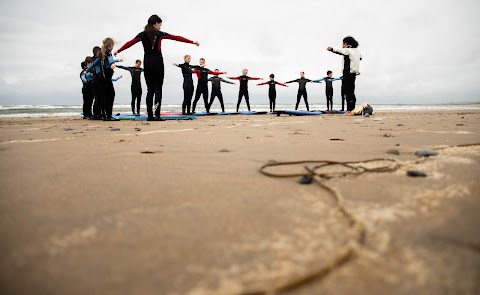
point(115, 79)
point(94, 64)
point(112, 60)
point(84, 79)
point(336, 79)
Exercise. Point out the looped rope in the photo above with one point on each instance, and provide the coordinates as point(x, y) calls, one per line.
point(348, 252)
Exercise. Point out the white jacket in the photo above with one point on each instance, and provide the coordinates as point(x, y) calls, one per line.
point(354, 56)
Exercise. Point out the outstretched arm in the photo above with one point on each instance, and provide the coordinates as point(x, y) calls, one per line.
point(341, 51)
point(116, 79)
point(278, 83)
point(179, 38)
point(94, 64)
point(318, 81)
point(216, 73)
point(252, 78)
point(296, 80)
point(130, 69)
point(128, 44)
point(264, 83)
point(225, 81)
point(234, 78)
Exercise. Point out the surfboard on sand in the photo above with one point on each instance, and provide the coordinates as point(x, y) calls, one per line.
point(187, 117)
point(297, 113)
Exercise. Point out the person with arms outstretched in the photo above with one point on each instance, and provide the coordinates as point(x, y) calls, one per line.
point(272, 92)
point(243, 92)
point(136, 87)
point(187, 83)
point(202, 85)
point(328, 88)
point(302, 90)
point(351, 68)
point(154, 69)
point(217, 90)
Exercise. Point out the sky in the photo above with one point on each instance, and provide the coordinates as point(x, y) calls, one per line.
point(413, 51)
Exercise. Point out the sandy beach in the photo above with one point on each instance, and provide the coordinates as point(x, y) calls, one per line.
point(180, 207)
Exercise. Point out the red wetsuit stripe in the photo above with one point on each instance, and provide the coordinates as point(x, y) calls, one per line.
point(172, 37)
point(129, 44)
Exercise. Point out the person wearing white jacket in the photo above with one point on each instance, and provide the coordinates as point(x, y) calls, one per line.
point(351, 68)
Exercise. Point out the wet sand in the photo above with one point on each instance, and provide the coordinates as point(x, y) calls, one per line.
point(181, 207)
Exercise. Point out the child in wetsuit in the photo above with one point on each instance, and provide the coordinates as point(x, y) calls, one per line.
point(328, 88)
point(272, 92)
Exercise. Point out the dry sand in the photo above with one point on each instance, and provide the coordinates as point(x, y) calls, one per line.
point(84, 210)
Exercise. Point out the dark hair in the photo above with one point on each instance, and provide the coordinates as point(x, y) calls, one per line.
point(149, 29)
point(83, 65)
point(349, 40)
point(138, 61)
point(272, 76)
point(329, 72)
point(88, 59)
point(96, 50)
point(216, 70)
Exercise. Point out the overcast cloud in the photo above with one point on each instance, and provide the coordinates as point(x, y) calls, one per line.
point(414, 51)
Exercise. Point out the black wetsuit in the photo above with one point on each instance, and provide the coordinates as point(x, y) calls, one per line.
point(87, 92)
point(187, 86)
point(98, 92)
point(243, 92)
point(202, 87)
point(342, 94)
point(217, 91)
point(329, 92)
point(136, 86)
point(154, 69)
point(272, 92)
point(302, 91)
point(109, 91)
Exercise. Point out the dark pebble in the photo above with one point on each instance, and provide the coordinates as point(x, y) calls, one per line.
point(224, 151)
point(425, 153)
point(400, 125)
point(115, 129)
point(138, 129)
point(393, 152)
point(416, 173)
point(68, 129)
point(397, 144)
point(459, 124)
point(305, 180)
point(387, 135)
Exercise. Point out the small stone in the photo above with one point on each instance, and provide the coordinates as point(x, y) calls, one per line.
point(416, 173)
point(387, 135)
point(425, 153)
point(397, 144)
point(224, 151)
point(115, 129)
point(393, 152)
point(400, 125)
point(138, 129)
point(305, 180)
point(459, 124)
point(67, 129)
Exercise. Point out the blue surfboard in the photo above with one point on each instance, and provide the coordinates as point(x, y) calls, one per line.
point(228, 113)
point(301, 113)
point(170, 118)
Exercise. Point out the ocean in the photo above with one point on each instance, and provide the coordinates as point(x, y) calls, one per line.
point(36, 111)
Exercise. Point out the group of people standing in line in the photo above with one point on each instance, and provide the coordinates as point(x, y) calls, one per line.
point(97, 77)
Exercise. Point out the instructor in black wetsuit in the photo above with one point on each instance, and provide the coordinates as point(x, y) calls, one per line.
point(302, 90)
point(244, 87)
point(154, 70)
point(187, 83)
point(217, 90)
point(136, 87)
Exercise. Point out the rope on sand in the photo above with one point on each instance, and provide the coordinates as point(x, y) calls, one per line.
point(348, 252)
